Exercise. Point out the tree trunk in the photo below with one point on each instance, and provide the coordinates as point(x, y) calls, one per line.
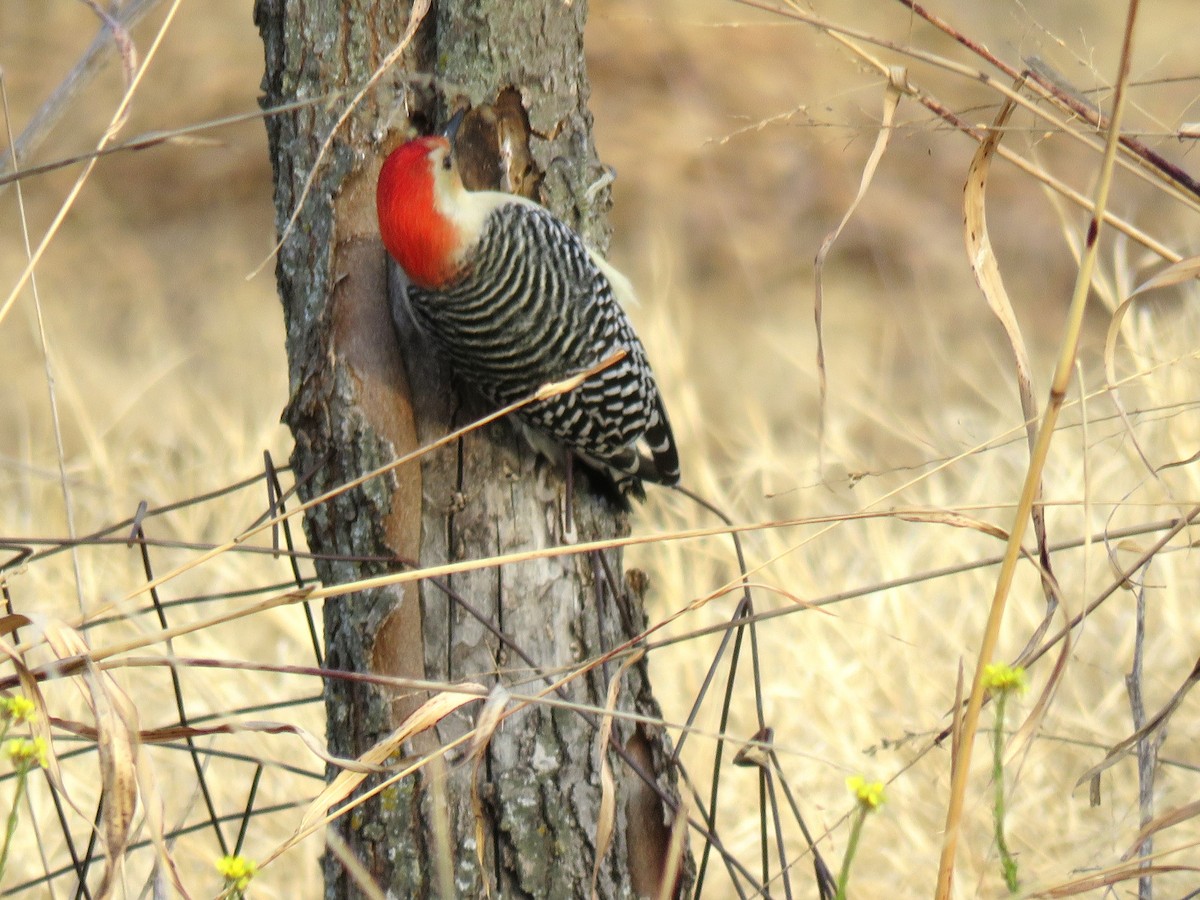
point(362, 394)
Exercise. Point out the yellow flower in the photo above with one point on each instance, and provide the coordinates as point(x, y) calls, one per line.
point(1000, 678)
point(18, 709)
point(237, 871)
point(869, 794)
point(25, 752)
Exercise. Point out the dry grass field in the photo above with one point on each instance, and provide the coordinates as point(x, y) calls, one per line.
point(739, 138)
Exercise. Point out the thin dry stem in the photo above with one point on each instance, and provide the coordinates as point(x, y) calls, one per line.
point(1058, 390)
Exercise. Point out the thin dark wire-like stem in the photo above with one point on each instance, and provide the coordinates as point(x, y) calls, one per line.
point(703, 828)
point(177, 688)
point(1152, 159)
point(65, 829)
point(764, 774)
point(703, 813)
point(175, 834)
point(1147, 747)
point(744, 608)
point(277, 505)
point(249, 812)
point(81, 888)
point(826, 882)
point(198, 599)
point(764, 845)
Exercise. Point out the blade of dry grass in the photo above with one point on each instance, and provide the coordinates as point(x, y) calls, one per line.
point(114, 124)
point(1168, 819)
point(987, 274)
point(1058, 389)
point(897, 86)
point(90, 65)
point(545, 392)
point(607, 814)
point(117, 749)
point(52, 394)
point(851, 38)
point(427, 715)
point(1157, 721)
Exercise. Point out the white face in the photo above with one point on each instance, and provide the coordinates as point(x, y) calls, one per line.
point(466, 209)
point(447, 186)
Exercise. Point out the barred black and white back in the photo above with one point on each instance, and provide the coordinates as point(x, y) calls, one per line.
point(518, 317)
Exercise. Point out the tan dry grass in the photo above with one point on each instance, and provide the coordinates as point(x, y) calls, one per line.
point(171, 374)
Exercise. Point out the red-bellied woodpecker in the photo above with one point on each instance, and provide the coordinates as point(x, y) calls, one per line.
point(513, 299)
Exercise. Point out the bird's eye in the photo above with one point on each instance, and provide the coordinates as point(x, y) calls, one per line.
point(446, 162)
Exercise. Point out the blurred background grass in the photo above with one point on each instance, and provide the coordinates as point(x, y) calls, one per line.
point(738, 139)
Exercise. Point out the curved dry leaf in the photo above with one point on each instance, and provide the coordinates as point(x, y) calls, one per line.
point(116, 747)
point(896, 87)
point(1166, 820)
point(955, 520)
point(607, 814)
point(1156, 722)
point(428, 714)
point(41, 724)
point(1176, 273)
point(489, 718)
point(152, 805)
point(987, 274)
point(13, 621)
point(1090, 883)
point(983, 261)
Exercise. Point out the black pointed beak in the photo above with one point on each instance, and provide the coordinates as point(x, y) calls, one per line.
point(451, 129)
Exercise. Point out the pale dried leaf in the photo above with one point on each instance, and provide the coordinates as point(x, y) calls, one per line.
point(607, 814)
point(987, 273)
point(1167, 820)
point(1156, 722)
point(1023, 737)
point(955, 520)
point(1091, 883)
point(676, 849)
point(152, 806)
point(428, 714)
point(116, 745)
point(891, 100)
point(1176, 273)
point(985, 267)
point(489, 718)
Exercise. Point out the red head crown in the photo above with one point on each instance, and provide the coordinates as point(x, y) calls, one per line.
point(408, 199)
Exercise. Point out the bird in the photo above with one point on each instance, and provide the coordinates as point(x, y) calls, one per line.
point(513, 298)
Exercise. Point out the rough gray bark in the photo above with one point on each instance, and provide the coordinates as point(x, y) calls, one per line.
point(360, 396)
